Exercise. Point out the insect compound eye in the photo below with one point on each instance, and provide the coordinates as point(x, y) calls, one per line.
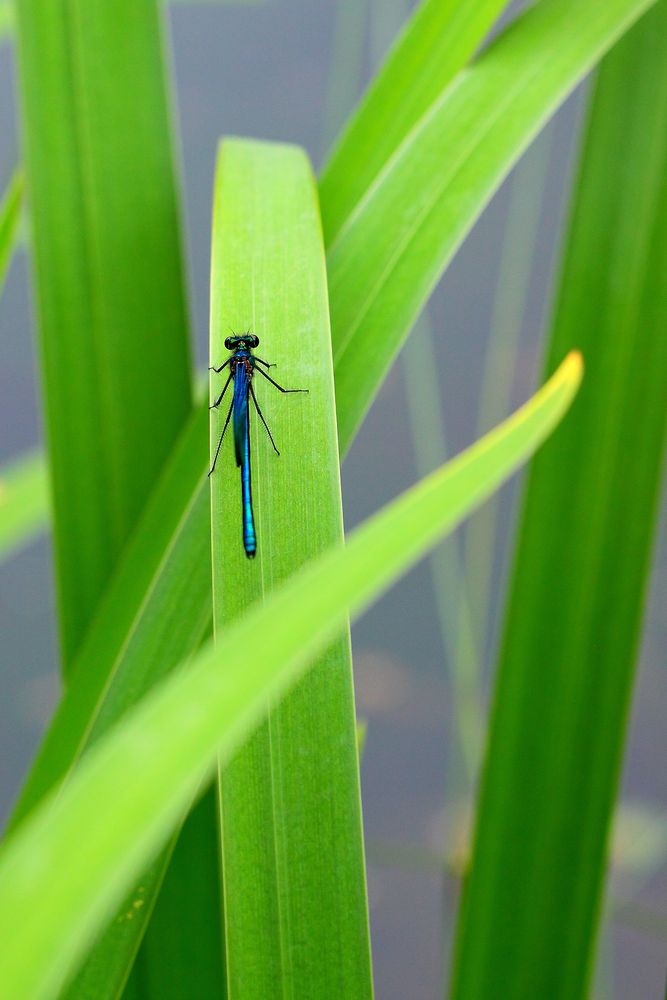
point(228, 343)
point(253, 340)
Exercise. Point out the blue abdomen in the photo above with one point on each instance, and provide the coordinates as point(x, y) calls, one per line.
point(249, 536)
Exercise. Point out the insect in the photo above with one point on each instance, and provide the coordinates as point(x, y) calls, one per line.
point(242, 367)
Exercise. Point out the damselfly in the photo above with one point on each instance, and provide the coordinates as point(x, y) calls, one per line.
point(242, 366)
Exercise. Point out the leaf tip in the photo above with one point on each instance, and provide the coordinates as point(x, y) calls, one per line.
point(571, 371)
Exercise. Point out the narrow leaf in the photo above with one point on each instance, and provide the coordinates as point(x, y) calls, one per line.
point(293, 863)
point(436, 43)
point(6, 20)
point(24, 503)
point(133, 786)
point(10, 214)
point(386, 258)
point(113, 326)
point(532, 902)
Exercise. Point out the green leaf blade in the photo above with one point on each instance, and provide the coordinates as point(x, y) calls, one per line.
point(574, 616)
point(435, 45)
point(291, 821)
point(145, 773)
point(10, 215)
point(108, 264)
point(386, 259)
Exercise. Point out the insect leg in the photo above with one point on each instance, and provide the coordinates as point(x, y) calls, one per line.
point(217, 451)
point(261, 372)
point(262, 362)
point(219, 399)
point(218, 370)
point(261, 417)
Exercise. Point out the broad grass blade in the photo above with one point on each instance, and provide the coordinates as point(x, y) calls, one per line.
point(112, 316)
point(532, 902)
point(292, 846)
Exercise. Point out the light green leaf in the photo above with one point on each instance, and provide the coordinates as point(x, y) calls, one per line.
point(434, 46)
point(292, 850)
point(386, 258)
point(24, 502)
point(10, 214)
point(133, 786)
point(113, 325)
point(6, 20)
point(575, 611)
point(154, 614)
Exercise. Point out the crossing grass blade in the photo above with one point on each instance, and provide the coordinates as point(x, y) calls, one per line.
point(385, 260)
point(292, 851)
point(132, 787)
point(112, 317)
point(24, 503)
point(10, 214)
point(532, 901)
point(435, 45)
point(154, 614)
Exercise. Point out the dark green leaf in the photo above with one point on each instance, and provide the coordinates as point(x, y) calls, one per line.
point(533, 900)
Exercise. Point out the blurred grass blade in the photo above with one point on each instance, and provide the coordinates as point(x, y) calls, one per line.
point(6, 20)
point(293, 862)
point(10, 214)
point(110, 289)
point(426, 419)
point(436, 43)
point(580, 580)
point(515, 276)
point(385, 260)
point(346, 62)
point(24, 503)
point(154, 614)
point(132, 787)
point(460, 643)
